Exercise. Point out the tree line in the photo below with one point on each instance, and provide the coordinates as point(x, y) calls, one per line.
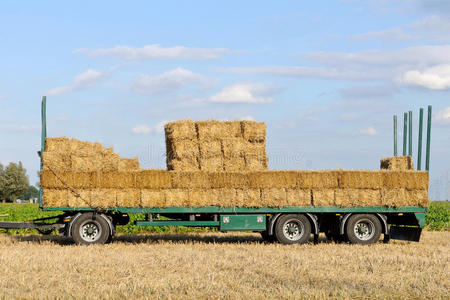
point(15, 184)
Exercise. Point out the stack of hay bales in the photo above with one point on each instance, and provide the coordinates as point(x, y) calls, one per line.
point(397, 163)
point(216, 146)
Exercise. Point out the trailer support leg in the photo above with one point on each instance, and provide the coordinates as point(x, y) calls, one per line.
point(316, 239)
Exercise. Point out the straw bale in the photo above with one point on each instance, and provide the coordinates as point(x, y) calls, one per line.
point(405, 179)
point(397, 163)
point(210, 148)
point(251, 197)
point(117, 179)
point(128, 197)
point(357, 197)
point(184, 129)
point(212, 164)
point(393, 197)
point(103, 198)
point(229, 179)
point(180, 148)
point(234, 147)
point(275, 179)
point(110, 162)
point(190, 179)
point(185, 164)
point(323, 197)
point(254, 131)
point(60, 145)
point(176, 197)
point(229, 197)
point(255, 163)
point(56, 161)
point(85, 180)
point(317, 179)
point(203, 197)
point(54, 198)
point(79, 198)
point(233, 129)
point(361, 179)
point(152, 198)
point(234, 164)
point(273, 197)
point(129, 164)
point(153, 179)
point(298, 197)
point(211, 130)
point(417, 197)
point(86, 163)
point(81, 148)
point(56, 179)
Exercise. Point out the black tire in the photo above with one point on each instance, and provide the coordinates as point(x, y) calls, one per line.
point(87, 230)
point(292, 229)
point(364, 229)
point(266, 237)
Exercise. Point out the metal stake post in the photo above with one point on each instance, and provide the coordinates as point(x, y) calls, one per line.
point(410, 134)
point(395, 135)
point(405, 131)
point(419, 147)
point(427, 159)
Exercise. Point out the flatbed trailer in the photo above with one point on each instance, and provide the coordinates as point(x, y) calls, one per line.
point(288, 225)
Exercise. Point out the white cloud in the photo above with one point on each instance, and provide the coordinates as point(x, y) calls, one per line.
point(369, 131)
point(87, 79)
point(167, 82)
point(252, 93)
point(393, 34)
point(368, 92)
point(435, 78)
point(145, 129)
point(155, 51)
point(434, 27)
point(443, 116)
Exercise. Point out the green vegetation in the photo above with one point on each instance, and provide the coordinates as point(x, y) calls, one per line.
point(13, 181)
point(438, 216)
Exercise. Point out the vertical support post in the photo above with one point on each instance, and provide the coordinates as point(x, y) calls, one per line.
point(395, 135)
point(410, 133)
point(427, 159)
point(419, 147)
point(43, 136)
point(405, 131)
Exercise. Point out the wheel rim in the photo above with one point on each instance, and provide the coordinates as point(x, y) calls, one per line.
point(90, 231)
point(364, 229)
point(293, 229)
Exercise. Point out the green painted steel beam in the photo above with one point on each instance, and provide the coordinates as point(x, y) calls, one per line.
point(395, 135)
point(405, 131)
point(427, 158)
point(43, 137)
point(419, 146)
point(420, 219)
point(410, 130)
point(179, 223)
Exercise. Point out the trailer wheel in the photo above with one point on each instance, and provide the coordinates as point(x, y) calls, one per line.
point(363, 229)
point(292, 229)
point(87, 230)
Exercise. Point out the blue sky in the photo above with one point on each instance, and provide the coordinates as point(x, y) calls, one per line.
point(325, 76)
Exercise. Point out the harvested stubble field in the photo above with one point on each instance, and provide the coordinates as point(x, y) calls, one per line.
point(215, 265)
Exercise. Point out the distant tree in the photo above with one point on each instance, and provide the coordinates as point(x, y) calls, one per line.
point(2, 184)
point(31, 192)
point(15, 181)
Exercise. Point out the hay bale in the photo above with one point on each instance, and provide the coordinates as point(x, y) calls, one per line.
point(298, 197)
point(273, 179)
point(323, 197)
point(186, 179)
point(254, 132)
point(184, 164)
point(103, 198)
point(210, 130)
point(233, 147)
point(153, 179)
point(56, 161)
point(405, 179)
point(360, 179)
point(273, 197)
point(86, 163)
point(357, 197)
point(394, 197)
point(176, 197)
point(211, 164)
point(183, 129)
point(55, 198)
point(60, 145)
point(203, 197)
point(181, 148)
point(81, 148)
point(152, 198)
point(417, 197)
point(397, 163)
point(57, 179)
point(234, 164)
point(128, 197)
point(118, 180)
point(129, 164)
point(253, 163)
point(110, 162)
point(229, 197)
point(85, 180)
point(318, 179)
point(210, 148)
point(229, 179)
point(79, 198)
point(251, 197)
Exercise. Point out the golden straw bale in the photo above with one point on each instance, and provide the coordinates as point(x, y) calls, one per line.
point(255, 163)
point(56, 161)
point(229, 197)
point(417, 197)
point(153, 179)
point(397, 163)
point(317, 179)
point(176, 197)
point(234, 164)
point(203, 197)
point(85, 180)
point(233, 129)
point(54, 198)
point(86, 163)
point(357, 197)
point(129, 164)
point(298, 197)
point(210, 148)
point(323, 197)
point(117, 179)
point(185, 164)
point(79, 198)
point(233, 147)
point(394, 197)
point(267, 179)
point(361, 179)
point(110, 163)
point(57, 179)
point(180, 148)
point(251, 197)
point(128, 197)
point(210, 130)
point(103, 198)
point(60, 145)
point(184, 129)
point(229, 179)
point(190, 179)
point(273, 197)
point(405, 179)
point(254, 131)
point(153, 198)
point(81, 148)
point(212, 164)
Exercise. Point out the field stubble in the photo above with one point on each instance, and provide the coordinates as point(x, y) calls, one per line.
point(216, 265)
